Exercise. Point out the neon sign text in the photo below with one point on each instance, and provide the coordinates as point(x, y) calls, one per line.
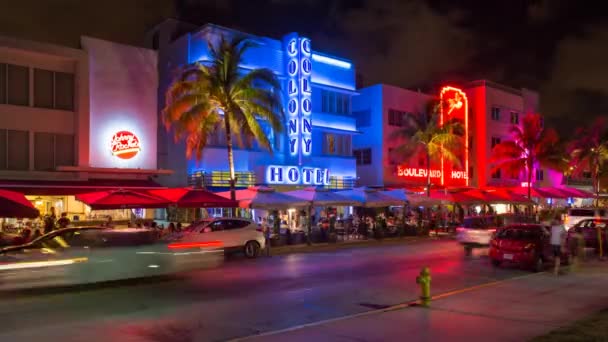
point(422, 173)
point(279, 174)
point(125, 145)
point(299, 89)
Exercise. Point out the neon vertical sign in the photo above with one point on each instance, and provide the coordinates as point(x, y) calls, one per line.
point(455, 105)
point(299, 91)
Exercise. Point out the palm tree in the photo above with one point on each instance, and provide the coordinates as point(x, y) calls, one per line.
point(530, 145)
point(215, 94)
point(590, 151)
point(422, 134)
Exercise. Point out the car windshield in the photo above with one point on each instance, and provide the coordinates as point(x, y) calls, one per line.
point(195, 226)
point(519, 233)
point(479, 222)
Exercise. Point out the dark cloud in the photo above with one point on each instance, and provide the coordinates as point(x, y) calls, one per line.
point(64, 21)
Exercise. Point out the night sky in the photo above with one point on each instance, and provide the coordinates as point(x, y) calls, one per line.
point(556, 47)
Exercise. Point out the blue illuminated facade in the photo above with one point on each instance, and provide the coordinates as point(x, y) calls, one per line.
point(315, 147)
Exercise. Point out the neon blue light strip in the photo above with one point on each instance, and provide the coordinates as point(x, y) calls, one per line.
point(331, 61)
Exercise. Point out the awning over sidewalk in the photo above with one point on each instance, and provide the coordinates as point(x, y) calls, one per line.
point(74, 187)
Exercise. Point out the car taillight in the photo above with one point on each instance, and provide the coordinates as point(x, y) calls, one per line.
point(491, 231)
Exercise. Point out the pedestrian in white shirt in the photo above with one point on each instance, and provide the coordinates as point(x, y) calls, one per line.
point(558, 233)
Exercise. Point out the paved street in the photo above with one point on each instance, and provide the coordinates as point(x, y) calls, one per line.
point(243, 297)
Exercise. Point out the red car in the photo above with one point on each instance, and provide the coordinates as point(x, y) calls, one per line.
point(589, 228)
point(525, 244)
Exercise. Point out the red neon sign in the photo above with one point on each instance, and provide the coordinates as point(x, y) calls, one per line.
point(125, 145)
point(455, 105)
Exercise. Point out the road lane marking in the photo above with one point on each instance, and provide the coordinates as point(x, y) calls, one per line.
point(389, 309)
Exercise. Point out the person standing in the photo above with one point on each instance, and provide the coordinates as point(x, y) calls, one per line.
point(64, 221)
point(49, 221)
point(266, 232)
point(557, 235)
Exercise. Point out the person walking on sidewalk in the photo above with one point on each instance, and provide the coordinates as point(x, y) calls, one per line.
point(557, 235)
point(266, 232)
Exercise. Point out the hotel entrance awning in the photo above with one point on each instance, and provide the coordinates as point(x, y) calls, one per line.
point(74, 187)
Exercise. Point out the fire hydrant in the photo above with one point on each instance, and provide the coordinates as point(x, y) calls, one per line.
point(424, 280)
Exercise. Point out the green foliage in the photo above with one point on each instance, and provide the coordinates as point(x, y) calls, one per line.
point(530, 145)
point(214, 95)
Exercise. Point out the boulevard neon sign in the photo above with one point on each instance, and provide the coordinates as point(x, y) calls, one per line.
point(125, 145)
point(422, 173)
point(299, 89)
point(278, 174)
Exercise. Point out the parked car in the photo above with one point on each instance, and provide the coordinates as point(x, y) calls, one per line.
point(95, 254)
point(589, 228)
point(528, 245)
point(575, 215)
point(477, 231)
point(233, 234)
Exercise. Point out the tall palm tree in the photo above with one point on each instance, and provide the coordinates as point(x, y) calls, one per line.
point(589, 151)
point(422, 134)
point(530, 145)
point(215, 94)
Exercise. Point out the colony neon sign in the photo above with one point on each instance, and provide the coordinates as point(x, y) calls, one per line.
point(279, 174)
point(299, 90)
point(125, 145)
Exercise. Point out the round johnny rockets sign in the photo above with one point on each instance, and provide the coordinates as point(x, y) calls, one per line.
point(125, 145)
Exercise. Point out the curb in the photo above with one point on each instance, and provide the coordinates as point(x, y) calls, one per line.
point(283, 250)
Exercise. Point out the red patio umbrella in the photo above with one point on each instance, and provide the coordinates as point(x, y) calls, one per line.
point(537, 192)
point(194, 198)
point(499, 196)
point(573, 192)
point(122, 199)
point(14, 204)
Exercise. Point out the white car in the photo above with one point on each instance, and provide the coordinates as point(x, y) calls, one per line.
point(575, 215)
point(72, 256)
point(478, 231)
point(231, 233)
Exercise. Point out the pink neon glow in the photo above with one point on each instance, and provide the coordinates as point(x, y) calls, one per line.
point(458, 106)
point(195, 244)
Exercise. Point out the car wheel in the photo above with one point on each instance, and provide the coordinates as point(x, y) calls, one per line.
point(468, 251)
point(495, 262)
point(252, 249)
point(538, 265)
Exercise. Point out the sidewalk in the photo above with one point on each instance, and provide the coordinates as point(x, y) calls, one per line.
point(514, 310)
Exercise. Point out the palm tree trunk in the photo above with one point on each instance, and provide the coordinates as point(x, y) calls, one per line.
point(428, 173)
point(529, 183)
point(230, 158)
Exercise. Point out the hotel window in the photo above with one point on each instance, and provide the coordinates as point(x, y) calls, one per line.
point(53, 150)
point(363, 156)
point(18, 85)
point(495, 141)
point(540, 175)
point(515, 118)
point(335, 103)
point(496, 174)
point(337, 144)
point(18, 150)
point(53, 89)
point(396, 118)
point(495, 113)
